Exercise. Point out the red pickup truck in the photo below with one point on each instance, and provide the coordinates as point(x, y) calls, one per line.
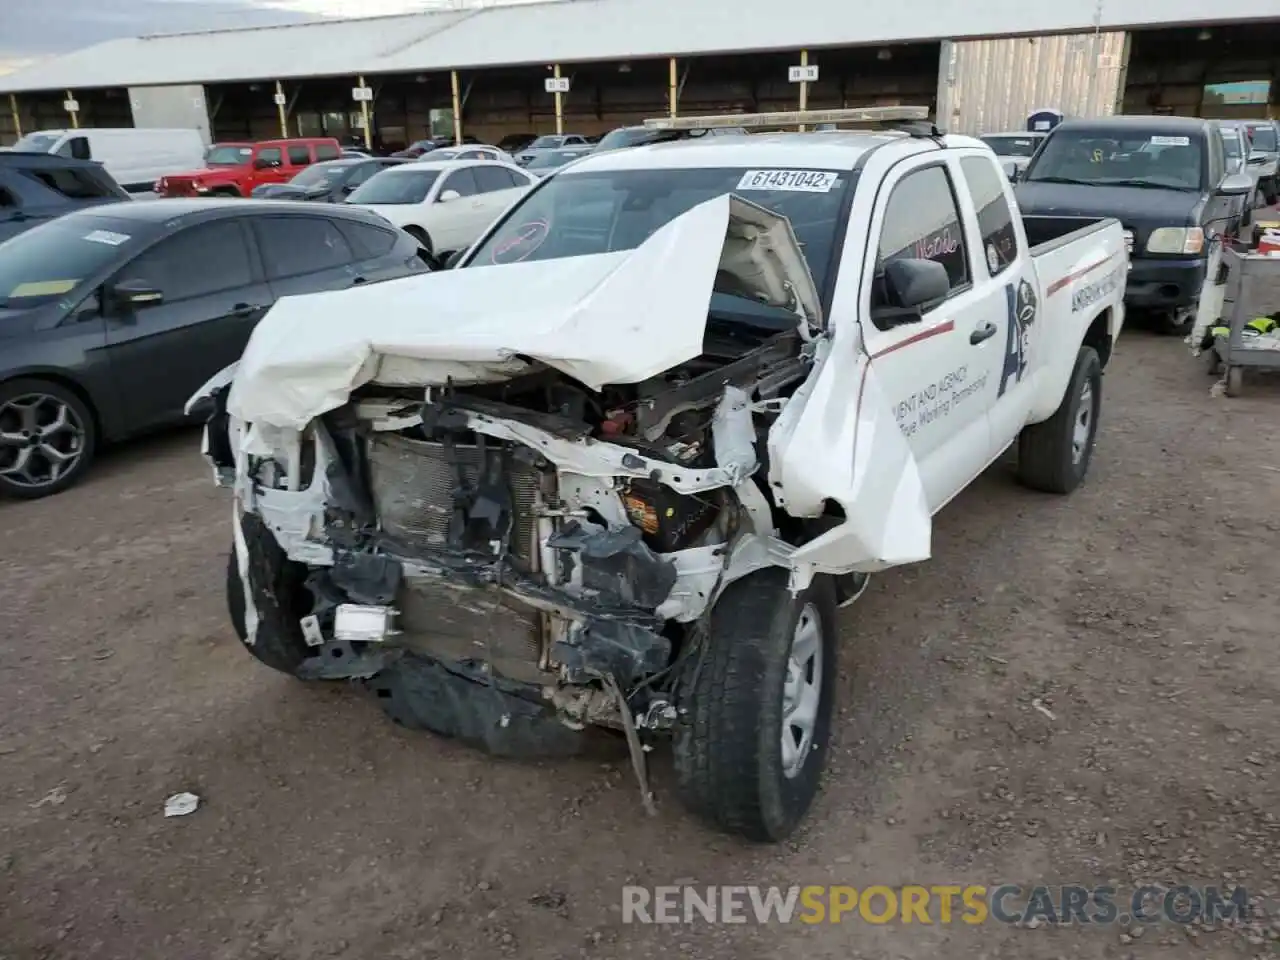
point(234, 169)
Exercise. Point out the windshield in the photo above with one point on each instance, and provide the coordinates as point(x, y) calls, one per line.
point(228, 155)
point(582, 213)
point(552, 159)
point(53, 259)
point(1264, 138)
point(1120, 158)
point(441, 153)
point(1012, 146)
point(37, 142)
point(395, 186)
point(320, 175)
point(546, 143)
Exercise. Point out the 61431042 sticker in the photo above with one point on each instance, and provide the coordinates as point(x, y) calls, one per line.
point(794, 181)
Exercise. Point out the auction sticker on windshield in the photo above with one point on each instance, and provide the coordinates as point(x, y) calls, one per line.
point(1159, 141)
point(109, 237)
point(795, 181)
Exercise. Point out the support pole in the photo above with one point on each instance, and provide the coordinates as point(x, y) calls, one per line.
point(804, 85)
point(284, 119)
point(457, 110)
point(673, 86)
point(17, 117)
point(75, 114)
point(364, 113)
point(559, 105)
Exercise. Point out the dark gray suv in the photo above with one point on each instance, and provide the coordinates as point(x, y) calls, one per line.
point(35, 187)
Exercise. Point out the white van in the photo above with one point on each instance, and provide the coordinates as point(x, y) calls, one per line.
point(136, 157)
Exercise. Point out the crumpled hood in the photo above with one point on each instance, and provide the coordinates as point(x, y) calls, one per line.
point(603, 319)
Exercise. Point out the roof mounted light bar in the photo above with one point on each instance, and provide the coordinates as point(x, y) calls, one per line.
point(790, 118)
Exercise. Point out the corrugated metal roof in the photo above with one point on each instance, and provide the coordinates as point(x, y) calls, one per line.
point(571, 31)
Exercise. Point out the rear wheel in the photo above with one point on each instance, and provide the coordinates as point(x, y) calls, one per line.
point(47, 438)
point(756, 705)
point(1054, 456)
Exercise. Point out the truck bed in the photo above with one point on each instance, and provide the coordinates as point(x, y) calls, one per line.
point(1046, 233)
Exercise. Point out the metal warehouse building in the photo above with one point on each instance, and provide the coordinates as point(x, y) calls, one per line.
point(590, 65)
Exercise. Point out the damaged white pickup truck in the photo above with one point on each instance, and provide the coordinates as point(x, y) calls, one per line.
point(620, 466)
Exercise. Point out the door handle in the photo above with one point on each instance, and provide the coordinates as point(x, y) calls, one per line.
point(985, 332)
point(244, 310)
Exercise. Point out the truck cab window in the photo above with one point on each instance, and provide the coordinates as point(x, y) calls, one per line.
point(922, 221)
point(995, 219)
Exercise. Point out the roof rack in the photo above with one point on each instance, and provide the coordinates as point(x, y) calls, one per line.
point(788, 118)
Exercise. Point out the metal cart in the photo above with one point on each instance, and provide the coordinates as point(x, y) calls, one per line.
point(1251, 290)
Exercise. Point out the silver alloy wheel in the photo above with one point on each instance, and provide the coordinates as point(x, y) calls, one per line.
point(1084, 423)
point(41, 440)
point(803, 691)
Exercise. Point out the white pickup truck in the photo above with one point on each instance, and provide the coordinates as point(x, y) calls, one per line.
point(620, 466)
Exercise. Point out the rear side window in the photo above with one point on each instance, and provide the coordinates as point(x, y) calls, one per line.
point(489, 179)
point(922, 221)
point(77, 148)
point(463, 181)
point(299, 155)
point(293, 246)
point(73, 184)
point(368, 242)
point(326, 151)
point(995, 219)
point(198, 261)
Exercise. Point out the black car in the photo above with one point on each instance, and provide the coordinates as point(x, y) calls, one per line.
point(1164, 178)
point(111, 318)
point(35, 187)
point(327, 182)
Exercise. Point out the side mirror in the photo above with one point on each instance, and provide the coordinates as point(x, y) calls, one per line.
point(910, 285)
point(452, 260)
point(448, 196)
point(135, 294)
point(1010, 170)
point(1235, 185)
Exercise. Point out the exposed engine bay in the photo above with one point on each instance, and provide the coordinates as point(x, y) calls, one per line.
point(582, 578)
point(517, 527)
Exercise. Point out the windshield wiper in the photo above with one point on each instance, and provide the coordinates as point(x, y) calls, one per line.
point(1081, 183)
point(1147, 184)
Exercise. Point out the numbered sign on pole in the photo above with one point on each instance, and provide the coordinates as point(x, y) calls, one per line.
point(71, 106)
point(803, 74)
point(556, 84)
point(280, 99)
point(362, 94)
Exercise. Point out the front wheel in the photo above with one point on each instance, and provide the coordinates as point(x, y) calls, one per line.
point(1054, 456)
point(756, 704)
point(47, 438)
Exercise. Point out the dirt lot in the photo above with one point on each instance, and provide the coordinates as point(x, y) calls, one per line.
point(1140, 614)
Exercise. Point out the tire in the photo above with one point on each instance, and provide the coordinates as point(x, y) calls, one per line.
point(43, 458)
point(279, 591)
point(1174, 327)
point(1052, 457)
point(1235, 381)
point(729, 762)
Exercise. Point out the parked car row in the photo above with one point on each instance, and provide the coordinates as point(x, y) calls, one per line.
point(111, 316)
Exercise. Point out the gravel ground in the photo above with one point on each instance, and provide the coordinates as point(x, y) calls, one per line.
point(1075, 690)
